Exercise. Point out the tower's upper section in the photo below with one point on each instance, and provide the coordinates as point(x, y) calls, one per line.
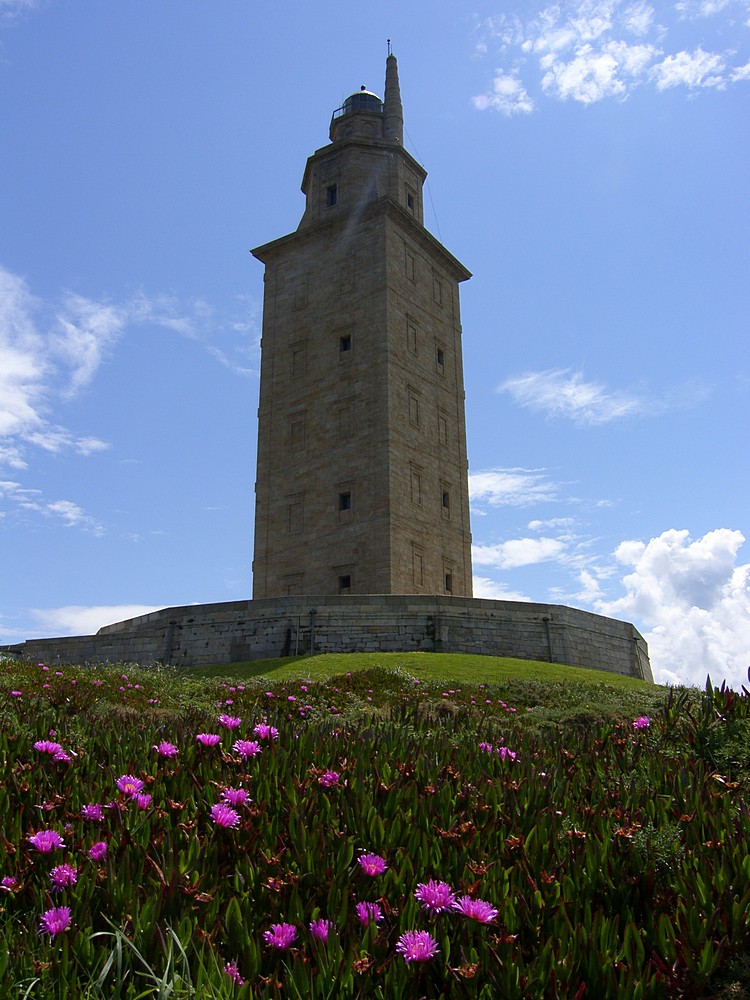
point(365, 160)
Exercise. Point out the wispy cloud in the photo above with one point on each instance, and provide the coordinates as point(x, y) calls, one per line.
point(511, 487)
point(51, 351)
point(561, 392)
point(87, 620)
point(518, 552)
point(591, 50)
point(27, 501)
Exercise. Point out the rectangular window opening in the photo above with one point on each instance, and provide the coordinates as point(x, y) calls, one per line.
point(345, 343)
point(449, 583)
point(345, 500)
point(332, 195)
point(345, 583)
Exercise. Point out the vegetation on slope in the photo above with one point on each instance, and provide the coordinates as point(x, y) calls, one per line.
point(529, 835)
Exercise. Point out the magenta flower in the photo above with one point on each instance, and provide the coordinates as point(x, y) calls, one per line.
point(329, 778)
point(372, 864)
point(281, 936)
point(62, 876)
point(48, 746)
point(367, 912)
point(476, 909)
point(231, 970)
point(505, 754)
point(129, 785)
point(320, 929)
point(236, 796)
point(265, 732)
point(417, 946)
point(46, 841)
point(436, 897)
point(247, 748)
point(93, 812)
point(98, 850)
point(141, 799)
point(208, 739)
point(55, 920)
point(224, 815)
point(642, 722)
point(166, 749)
point(230, 721)
point(8, 882)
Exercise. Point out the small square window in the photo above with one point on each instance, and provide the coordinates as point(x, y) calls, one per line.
point(345, 500)
point(345, 343)
point(345, 582)
point(332, 195)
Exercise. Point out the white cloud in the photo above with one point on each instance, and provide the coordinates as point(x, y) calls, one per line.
point(83, 620)
point(563, 393)
point(507, 95)
point(50, 352)
point(690, 69)
point(693, 599)
point(491, 590)
point(584, 50)
point(511, 487)
point(518, 552)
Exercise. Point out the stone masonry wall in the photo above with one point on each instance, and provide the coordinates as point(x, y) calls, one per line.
point(238, 631)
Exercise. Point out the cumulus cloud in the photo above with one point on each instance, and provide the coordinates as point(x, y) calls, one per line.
point(87, 620)
point(591, 50)
point(694, 601)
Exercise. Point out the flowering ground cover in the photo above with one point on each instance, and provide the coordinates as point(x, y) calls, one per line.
point(369, 835)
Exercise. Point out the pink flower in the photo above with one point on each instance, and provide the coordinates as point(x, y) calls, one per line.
point(476, 909)
point(142, 800)
point(329, 778)
point(231, 970)
point(47, 746)
point(642, 722)
point(46, 841)
point(320, 929)
point(437, 897)
point(417, 946)
point(8, 882)
point(367, 912)
point(98, 850)
point(224, 815)
point(208, 739)
point(230, 721)
point(235, 796)
point(166, 749)
point(55, 920)
point(63, 875)
point(93, 812)
point(265, 732)
point(505, 754)
point(247, 748)
point(372, 864)
point(129, 785)
point(281, 936)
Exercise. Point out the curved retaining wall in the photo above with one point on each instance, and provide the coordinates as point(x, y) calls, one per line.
point(236, 631)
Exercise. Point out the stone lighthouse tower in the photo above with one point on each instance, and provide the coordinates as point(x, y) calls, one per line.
point(362, 471)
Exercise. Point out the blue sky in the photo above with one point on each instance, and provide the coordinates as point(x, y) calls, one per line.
point(587, 162)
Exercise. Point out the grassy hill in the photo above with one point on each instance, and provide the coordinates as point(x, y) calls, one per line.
point(461, 826)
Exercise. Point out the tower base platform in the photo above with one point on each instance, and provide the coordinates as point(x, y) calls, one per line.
point(237, 631)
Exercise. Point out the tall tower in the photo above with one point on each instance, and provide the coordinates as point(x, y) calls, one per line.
point(362, 484)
